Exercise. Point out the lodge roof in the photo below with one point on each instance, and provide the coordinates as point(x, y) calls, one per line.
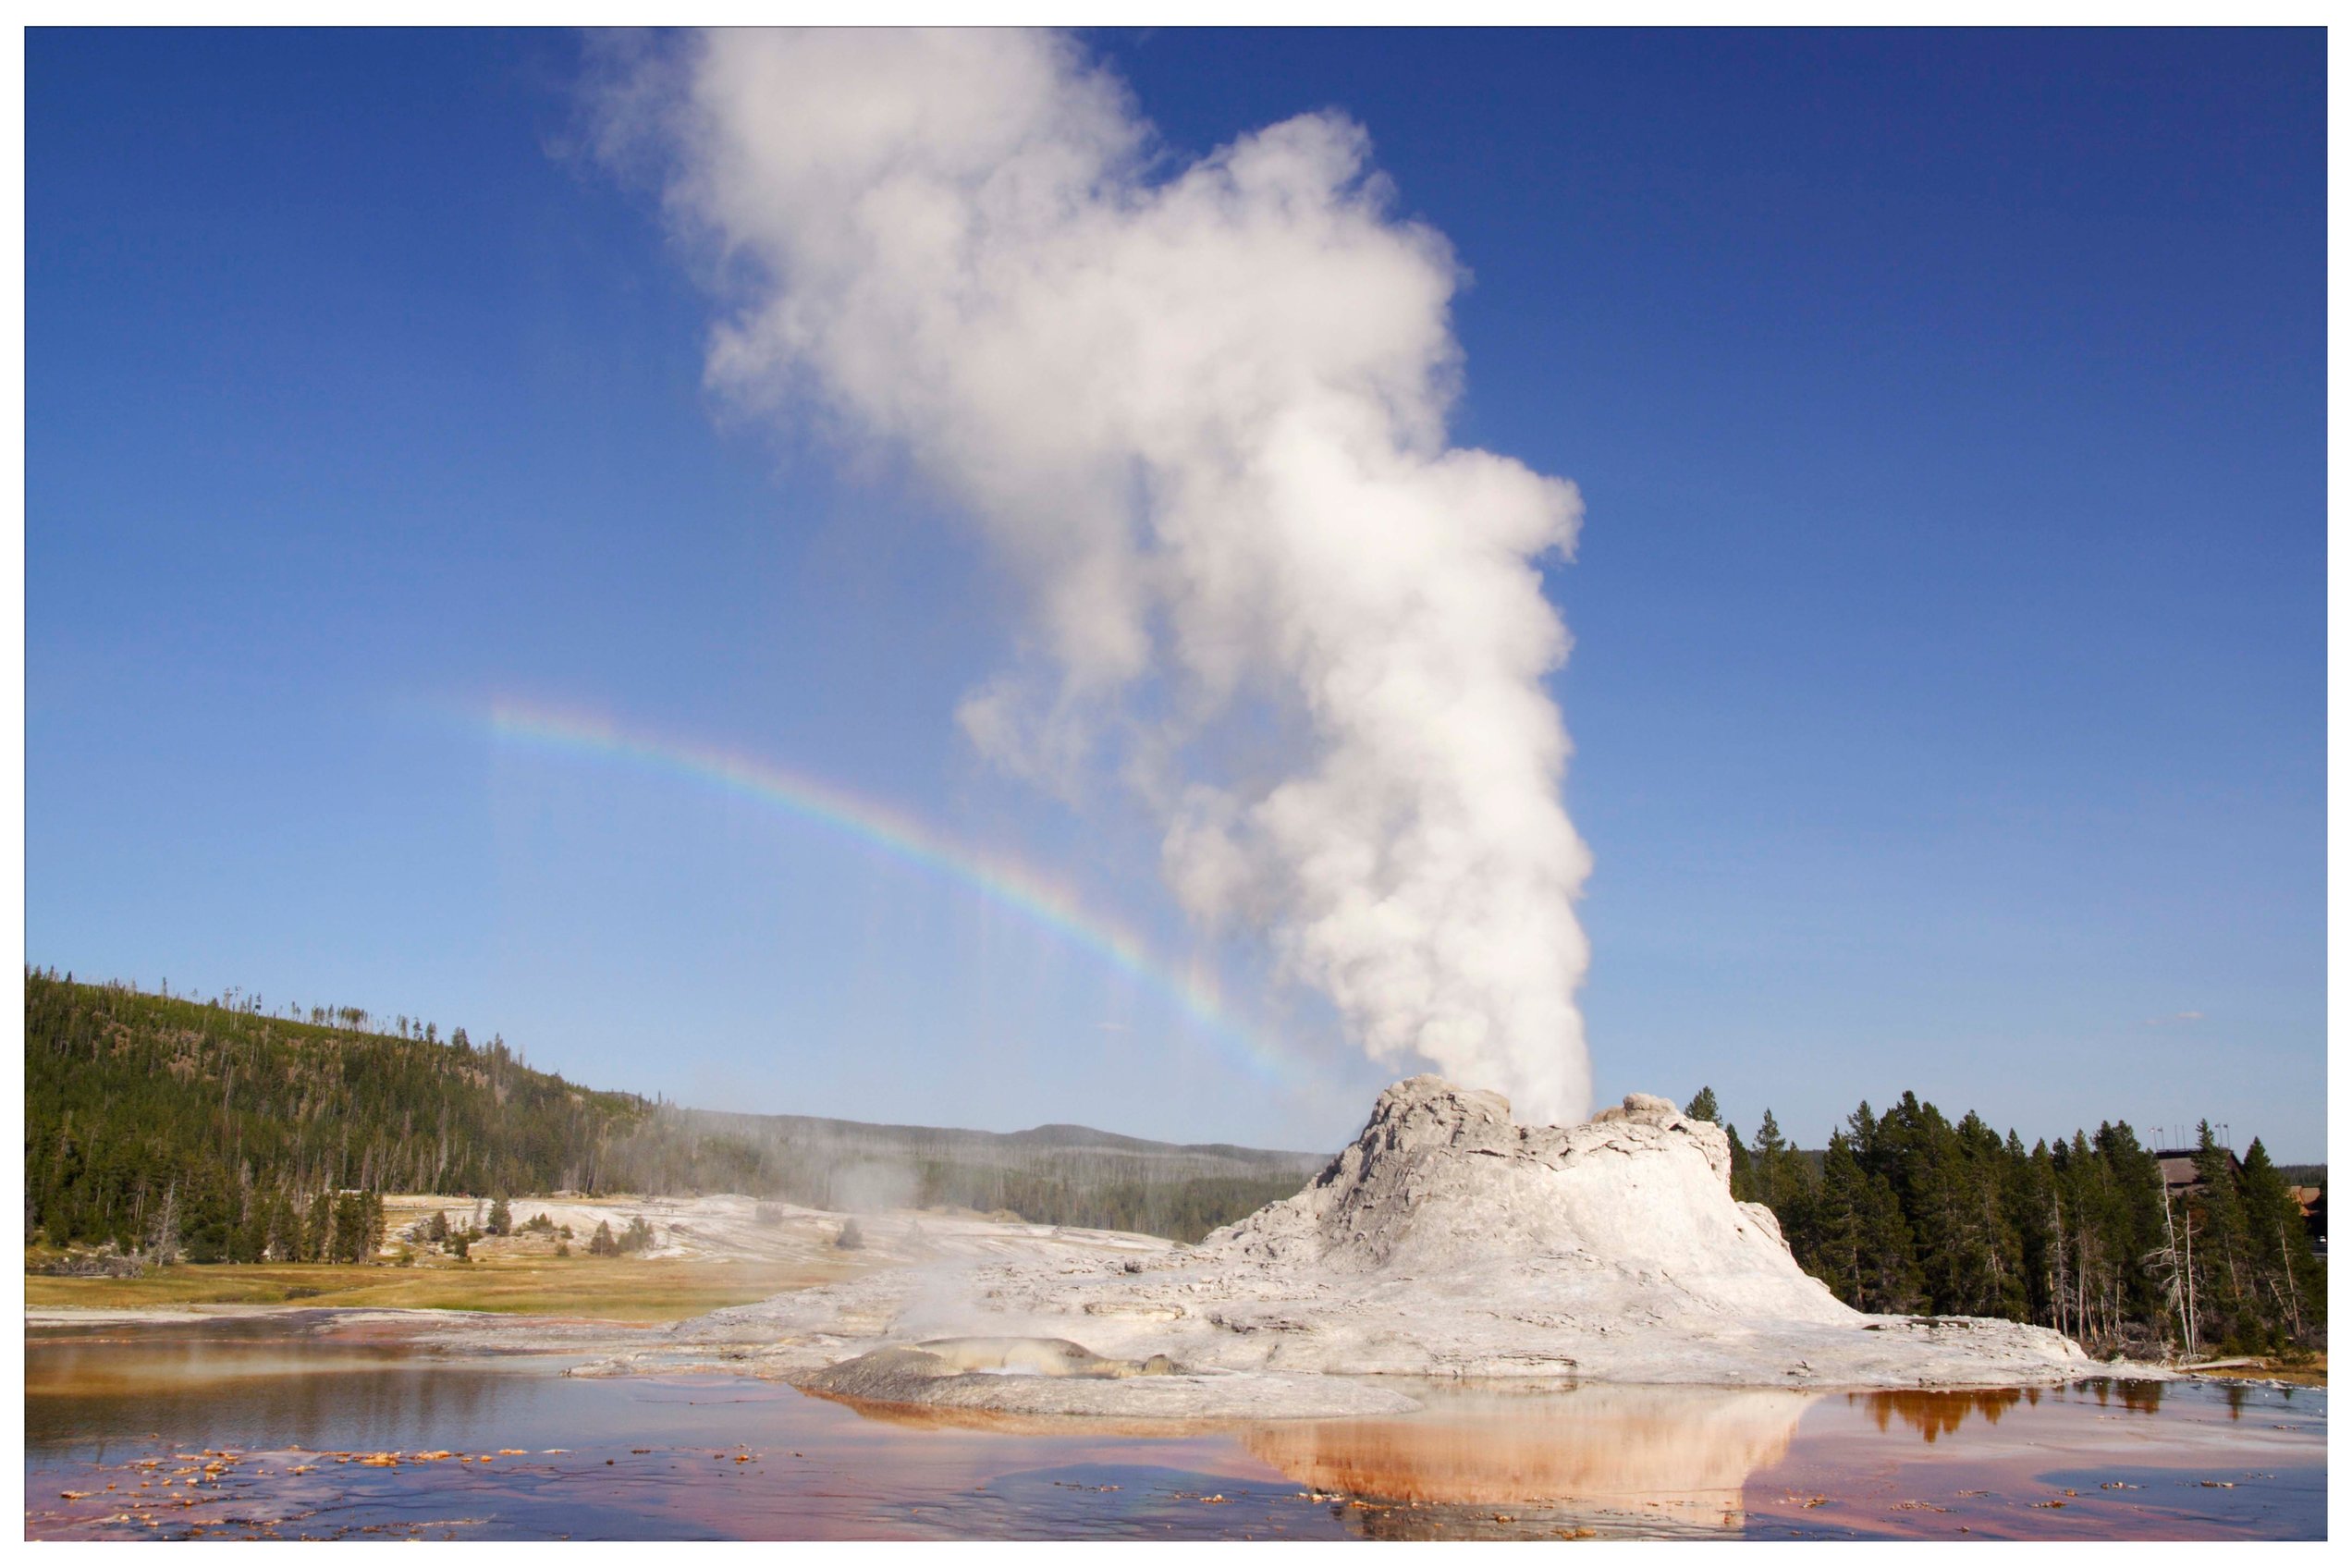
point(2180, 1166)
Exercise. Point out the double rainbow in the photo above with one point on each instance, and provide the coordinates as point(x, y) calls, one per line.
point(1001, 880)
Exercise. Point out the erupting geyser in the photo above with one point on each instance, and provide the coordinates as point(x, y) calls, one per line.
point(1201, 410)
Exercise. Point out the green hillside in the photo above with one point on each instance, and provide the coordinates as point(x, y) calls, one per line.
point(225, 1121)
point(213, 1128)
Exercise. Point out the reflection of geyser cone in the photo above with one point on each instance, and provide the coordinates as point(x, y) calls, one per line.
point(1684, 1454)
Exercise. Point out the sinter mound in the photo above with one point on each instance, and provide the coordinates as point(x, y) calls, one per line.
point(1447, 1240)
point(1637, 1201)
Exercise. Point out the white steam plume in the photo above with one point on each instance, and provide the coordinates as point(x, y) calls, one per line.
point(1202, 413)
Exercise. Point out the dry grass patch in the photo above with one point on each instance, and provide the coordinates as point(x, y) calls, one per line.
point(619, 1290)
point(2308, 1371)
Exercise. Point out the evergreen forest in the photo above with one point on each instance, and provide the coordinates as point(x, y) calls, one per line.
point(217, 1131)
point(1907, 1211)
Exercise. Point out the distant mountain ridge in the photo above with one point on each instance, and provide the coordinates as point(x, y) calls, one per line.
point(1064, 1135)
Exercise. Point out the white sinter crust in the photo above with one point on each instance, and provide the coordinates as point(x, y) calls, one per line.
point(1447, 1240)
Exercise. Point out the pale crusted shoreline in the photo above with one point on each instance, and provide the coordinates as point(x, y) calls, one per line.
point(1446, 1242)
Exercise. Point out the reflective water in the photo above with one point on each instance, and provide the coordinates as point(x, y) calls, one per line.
point(320, 1427)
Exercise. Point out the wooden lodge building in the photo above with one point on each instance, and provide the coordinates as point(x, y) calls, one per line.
point(2181, 1178)
point(2180, 1169)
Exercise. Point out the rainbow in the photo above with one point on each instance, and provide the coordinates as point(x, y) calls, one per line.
point(1001, 880)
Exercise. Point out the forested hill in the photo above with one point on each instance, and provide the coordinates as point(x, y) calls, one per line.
point(131, 1097)
point(220, 1123)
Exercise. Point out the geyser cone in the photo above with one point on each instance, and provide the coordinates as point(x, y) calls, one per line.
point(1638, 1201)
point(1447, 1240)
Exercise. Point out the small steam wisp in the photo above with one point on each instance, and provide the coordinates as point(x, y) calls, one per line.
point(1202, 414)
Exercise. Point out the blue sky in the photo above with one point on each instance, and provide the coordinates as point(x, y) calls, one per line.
point(1948, 692)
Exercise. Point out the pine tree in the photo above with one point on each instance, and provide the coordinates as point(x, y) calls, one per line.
point(1979, 1274)
point(2225, 1256)
point(1836, 1244)
point(1890, 1265)
point(2290, 1284)
point(2135, 1223)
point(1743, 1167)
point(2033, 1207)
point(351, 1226)
point(1768, 1162)
point(318, 1235)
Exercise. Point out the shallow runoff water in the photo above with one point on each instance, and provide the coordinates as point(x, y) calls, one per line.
point(311, 1425)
